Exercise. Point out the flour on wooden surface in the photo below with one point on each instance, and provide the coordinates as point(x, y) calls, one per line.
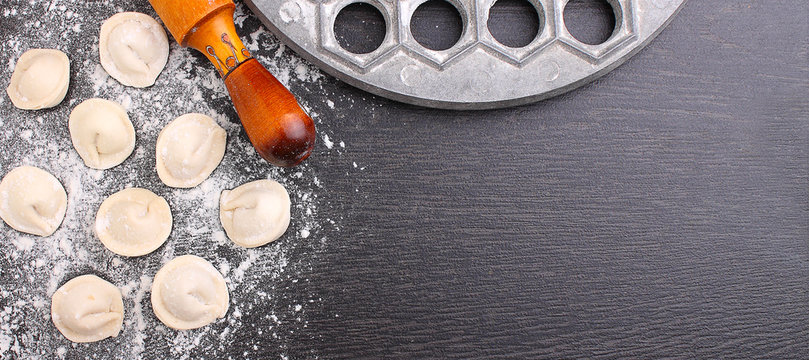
point(32, 268)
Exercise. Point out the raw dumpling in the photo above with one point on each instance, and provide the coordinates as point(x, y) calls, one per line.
point(133, 222)
point(32, 201)
point(87, 308)
point(188, 293)
point(101, 133)
point(133, 48)
point(189, 149)
point(40, 79)
point(255, 213)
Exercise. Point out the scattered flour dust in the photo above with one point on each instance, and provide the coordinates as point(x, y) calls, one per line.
point(326, 141)
point(32, 268)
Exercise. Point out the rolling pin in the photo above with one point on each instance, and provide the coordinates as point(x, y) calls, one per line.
point(278, 128)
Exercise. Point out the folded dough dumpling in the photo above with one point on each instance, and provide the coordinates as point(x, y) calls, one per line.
point(189, 293)
point(87, 308)
point(40, 79)
point(255, 213)
point(133, 222)
point(133, 48)
point(101, 133)
point(32, 201)
point(189, 149)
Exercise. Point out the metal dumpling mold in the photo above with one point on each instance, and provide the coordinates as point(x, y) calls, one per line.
point(481, 72)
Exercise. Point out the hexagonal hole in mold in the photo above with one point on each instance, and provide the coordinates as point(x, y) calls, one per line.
point(590, 21)
point(360, 28)
point(437, 25)
point(514, 23)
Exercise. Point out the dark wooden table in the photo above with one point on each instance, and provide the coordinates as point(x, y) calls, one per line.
point(661, 211)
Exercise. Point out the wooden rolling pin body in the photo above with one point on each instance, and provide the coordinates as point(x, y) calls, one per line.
point(279, 129)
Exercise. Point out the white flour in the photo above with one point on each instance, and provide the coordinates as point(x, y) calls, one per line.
point(32, 268)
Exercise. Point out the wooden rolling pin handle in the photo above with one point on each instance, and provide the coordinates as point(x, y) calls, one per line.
point(279, 129)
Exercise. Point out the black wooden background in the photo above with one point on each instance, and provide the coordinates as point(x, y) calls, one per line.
point(661, 211)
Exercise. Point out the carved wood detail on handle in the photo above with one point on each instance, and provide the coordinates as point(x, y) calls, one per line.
point(278, 128)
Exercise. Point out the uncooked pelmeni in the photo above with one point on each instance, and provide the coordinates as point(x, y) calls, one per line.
point(255, 213)
point(189, 149)
point(40, 79)
point(87, 308)
point(188, 293)
point(133, 222)
point(32, 201)
point(133, 48)
point(101, 133)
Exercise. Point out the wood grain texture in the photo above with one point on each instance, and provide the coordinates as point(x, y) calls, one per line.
point(183, 18)
point(659, 212)
point(281, 132)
